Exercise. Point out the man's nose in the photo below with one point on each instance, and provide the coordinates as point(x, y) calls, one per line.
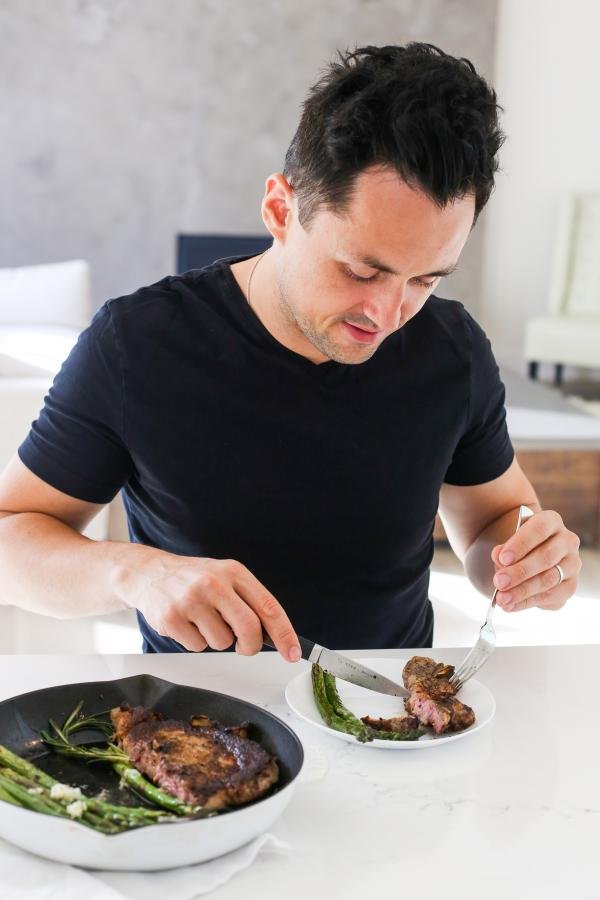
point(386, 311)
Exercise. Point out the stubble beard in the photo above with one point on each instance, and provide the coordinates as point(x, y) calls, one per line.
point(321, 341)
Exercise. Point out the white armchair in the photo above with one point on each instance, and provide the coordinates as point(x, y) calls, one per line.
point(42, 311)
point(43, 308)
point(570, 333)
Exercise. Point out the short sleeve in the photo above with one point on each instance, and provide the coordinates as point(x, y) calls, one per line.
point(484, 450)
point(77, 443)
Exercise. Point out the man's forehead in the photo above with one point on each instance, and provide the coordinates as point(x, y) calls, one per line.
point(431, 251)
point(438, 261)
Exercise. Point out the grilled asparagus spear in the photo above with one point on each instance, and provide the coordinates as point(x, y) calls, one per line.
point(337, 716)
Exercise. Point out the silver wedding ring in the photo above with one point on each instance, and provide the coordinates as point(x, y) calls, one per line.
point(561, 574)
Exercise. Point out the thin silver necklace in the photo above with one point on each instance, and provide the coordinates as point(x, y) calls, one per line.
point(251, 274)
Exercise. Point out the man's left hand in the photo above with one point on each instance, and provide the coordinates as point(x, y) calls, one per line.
point(527, 573)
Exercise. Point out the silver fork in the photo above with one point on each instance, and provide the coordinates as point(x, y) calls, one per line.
point(486, 644)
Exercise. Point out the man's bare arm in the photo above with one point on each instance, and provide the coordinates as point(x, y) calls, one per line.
point(48, 567)
point(478, 517)
point(480, 521)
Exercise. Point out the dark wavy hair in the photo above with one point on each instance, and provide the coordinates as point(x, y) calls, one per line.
point(412, 108)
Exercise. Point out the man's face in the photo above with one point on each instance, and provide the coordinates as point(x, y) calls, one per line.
point(335, 301)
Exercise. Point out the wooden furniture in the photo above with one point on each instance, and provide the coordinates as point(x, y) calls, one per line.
point(567, 481)
point(558, 448)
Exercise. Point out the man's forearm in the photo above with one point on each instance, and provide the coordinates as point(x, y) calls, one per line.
point(49, 568)
point(478, 563)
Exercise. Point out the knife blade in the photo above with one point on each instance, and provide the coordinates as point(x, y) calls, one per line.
point(345, 668)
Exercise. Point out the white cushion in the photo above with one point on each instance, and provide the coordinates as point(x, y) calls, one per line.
point(574, 341)
point(51, 294)
point(582, 291)
point(28, 351)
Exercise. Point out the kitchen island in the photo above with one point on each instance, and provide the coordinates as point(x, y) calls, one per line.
point(513, 810)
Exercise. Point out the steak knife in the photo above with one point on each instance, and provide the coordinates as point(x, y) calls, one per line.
point(345, 668)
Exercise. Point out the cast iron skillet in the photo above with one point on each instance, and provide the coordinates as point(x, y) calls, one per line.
point(22, 718)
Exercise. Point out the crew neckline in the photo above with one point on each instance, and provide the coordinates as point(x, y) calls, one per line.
point(249, 314)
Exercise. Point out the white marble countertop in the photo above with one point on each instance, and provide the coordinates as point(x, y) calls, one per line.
point(512, 811)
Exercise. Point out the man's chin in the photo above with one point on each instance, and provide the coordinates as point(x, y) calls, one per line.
point(346, 351)
point(351, 356)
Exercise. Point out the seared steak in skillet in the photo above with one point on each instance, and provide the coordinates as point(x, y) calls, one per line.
point(204, 764)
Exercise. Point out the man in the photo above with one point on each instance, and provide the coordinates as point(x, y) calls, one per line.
point(283, 428)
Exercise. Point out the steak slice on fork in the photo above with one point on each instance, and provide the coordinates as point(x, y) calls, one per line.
point(432, 697)
point(208, 765)
point(423, 674)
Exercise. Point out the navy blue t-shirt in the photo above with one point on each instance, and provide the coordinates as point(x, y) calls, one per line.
point(322, 479)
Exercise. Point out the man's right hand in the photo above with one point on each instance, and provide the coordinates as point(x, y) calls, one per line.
point(47, 566)
point(202, 602)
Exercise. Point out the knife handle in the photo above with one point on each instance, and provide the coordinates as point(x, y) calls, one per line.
point(306, 646)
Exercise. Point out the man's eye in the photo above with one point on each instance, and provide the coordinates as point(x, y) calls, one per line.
point(356, 277)
point(422, 283)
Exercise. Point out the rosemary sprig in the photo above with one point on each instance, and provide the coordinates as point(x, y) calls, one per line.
point(59, 739)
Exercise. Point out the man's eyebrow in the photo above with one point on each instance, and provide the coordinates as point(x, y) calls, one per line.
point(376, 264)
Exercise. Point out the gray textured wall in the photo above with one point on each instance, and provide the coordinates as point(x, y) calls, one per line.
point(124, 122)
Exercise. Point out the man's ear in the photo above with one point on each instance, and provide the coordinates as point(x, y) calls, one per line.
point(278, 206)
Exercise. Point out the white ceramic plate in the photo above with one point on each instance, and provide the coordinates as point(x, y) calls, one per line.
point(362, 702)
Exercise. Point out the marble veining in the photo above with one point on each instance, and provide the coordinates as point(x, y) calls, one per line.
point(515, 808)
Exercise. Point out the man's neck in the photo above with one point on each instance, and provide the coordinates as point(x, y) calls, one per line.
point(264, 301)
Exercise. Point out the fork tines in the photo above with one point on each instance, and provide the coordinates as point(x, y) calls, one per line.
point(469, 666)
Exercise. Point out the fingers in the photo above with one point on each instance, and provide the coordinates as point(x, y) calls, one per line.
point(535, 563)
point(530, 594)
point(545, 588)
point(531, 534)
point(244, 623)
point(182, 631)
point(527, 574)
point(211, 602)
point(214, 628)
point(270, 613)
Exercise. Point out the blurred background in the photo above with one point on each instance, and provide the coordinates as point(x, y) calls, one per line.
point(126, 125)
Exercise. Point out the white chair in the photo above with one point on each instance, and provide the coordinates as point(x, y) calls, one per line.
point(570, 333)
point(42, 311)
point(43, 308)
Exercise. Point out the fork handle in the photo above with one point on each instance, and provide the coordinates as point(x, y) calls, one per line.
point(524, 514)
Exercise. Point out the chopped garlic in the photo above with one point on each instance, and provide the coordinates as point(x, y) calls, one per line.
point(37, 790)
point(65, 792)
point(76, 809)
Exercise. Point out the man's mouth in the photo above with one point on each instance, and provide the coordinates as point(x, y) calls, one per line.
point(363, 335)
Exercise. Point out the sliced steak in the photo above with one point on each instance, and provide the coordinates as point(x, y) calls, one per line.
point(443, 715)
point(432, 697)
point(426, 675)
point(207, 765)
point(400, 724)
point(462, 715)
